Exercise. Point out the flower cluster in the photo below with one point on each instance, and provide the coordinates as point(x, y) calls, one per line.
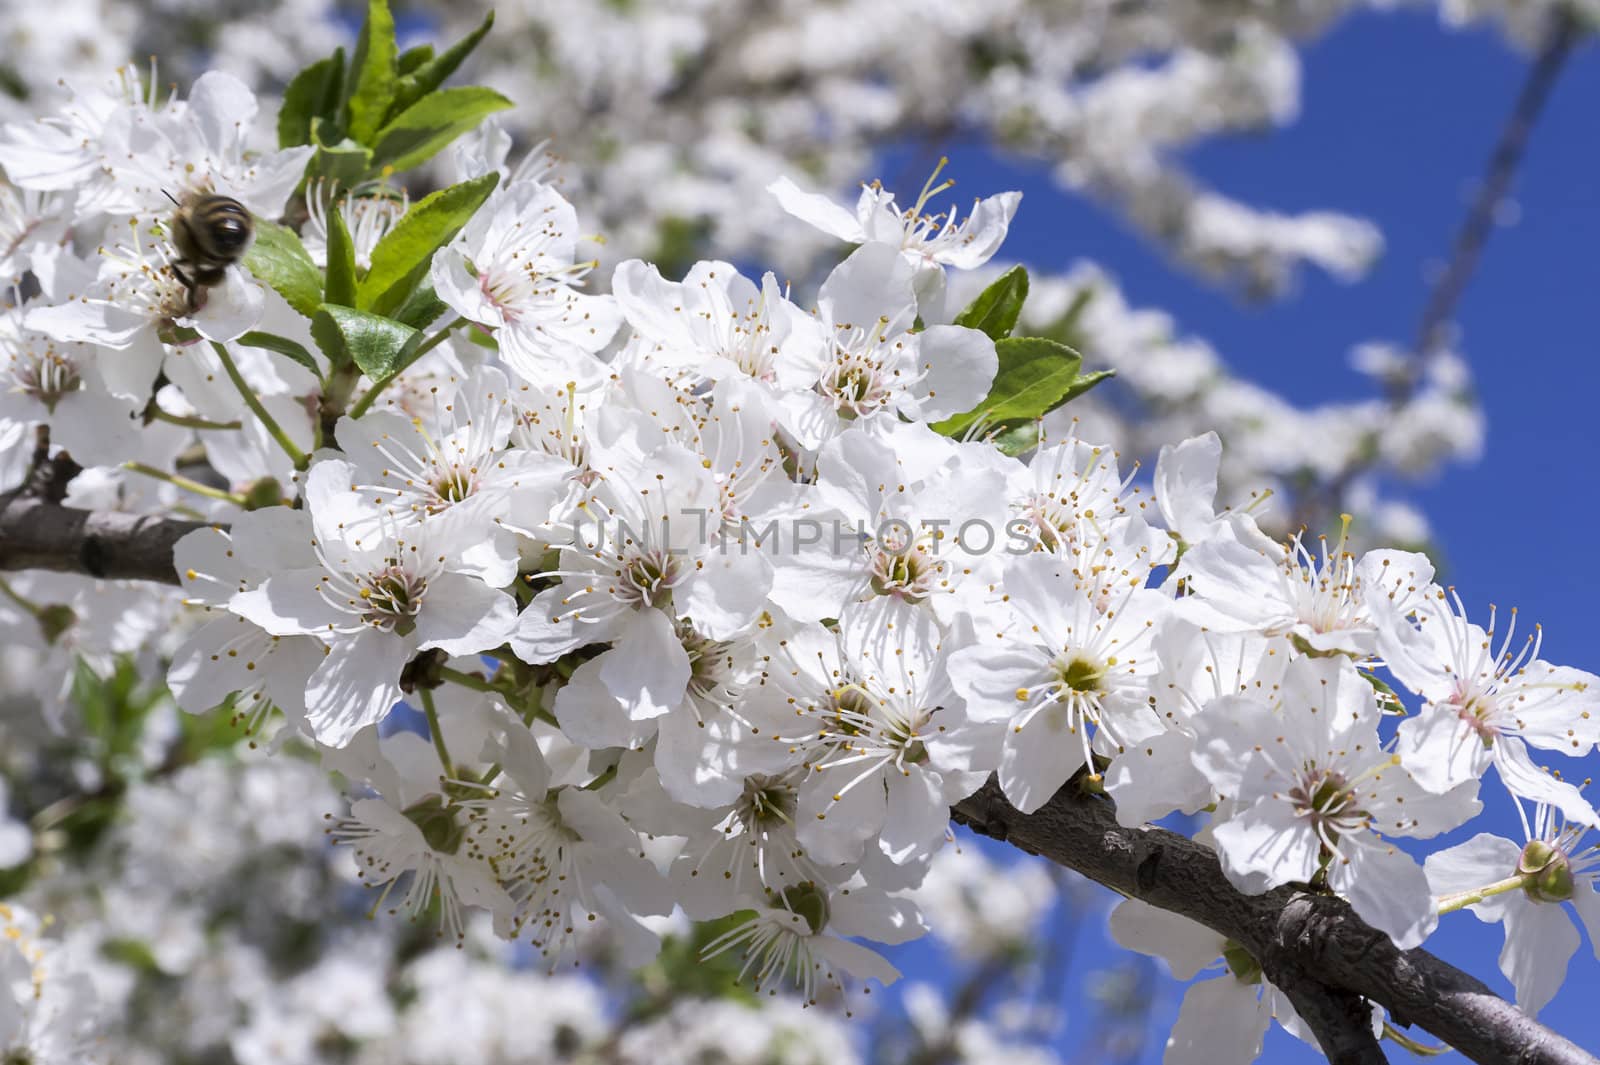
point(47, 1003)
point(705, 596)
point(674, 144)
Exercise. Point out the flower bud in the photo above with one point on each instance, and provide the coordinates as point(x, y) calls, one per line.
point(438, 824)
point(810, 902)
point(1547, 872)
point(54, 620)
point(263, 492)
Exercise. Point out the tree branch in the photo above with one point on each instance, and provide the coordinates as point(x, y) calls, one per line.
point(1313, 947)
point(37, 532)
point(1433, 330)
point(1559, 40)
point(1340, 1020)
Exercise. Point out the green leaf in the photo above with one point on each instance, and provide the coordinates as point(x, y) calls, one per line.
point(482, 339)
point(401, 258)
point(1036, 375)
point(412, 58)
point(1067, 327)
point(342, 162)
point(341, 287)
point(423, 307)
point(683, 965)
point(330, 339)
point(995, 310)
point(283, 346)
point(314, 93)
point(134, 953)
point(415, 84)
point(279, 259)
point(1083, 384)
point(679, 242)
point(374, 74)
point(419, 132)
point(373, 342)
point(15, 879)
point(1018, 439)
point(1389, 700)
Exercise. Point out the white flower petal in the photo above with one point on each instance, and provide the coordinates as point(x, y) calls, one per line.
point(1221, 1022)
point(1389, 890)
point(1540, 940)
point(647, 670)
point(1186, 946)
point(817, 210)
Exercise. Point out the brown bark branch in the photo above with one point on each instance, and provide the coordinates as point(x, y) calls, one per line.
point(37, 532)
point(1313, 947)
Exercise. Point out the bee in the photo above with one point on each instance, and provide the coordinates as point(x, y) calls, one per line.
point(211, 233)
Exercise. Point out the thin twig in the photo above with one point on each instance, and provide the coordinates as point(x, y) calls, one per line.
point(1433, 329)
point(1473, 236)
point(268, 422)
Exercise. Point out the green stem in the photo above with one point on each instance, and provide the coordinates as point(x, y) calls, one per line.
point(1463, 899)
point(56, 812)
point(316, 433)
point(364, 404)
point(436, 733)
point(337, 392)
point(467, 680)
point(179, 481)
point(300, 459)
point(53, 620)
point(188, 422)
point(525, 703)
point(28, 605)
point(1422, 1050)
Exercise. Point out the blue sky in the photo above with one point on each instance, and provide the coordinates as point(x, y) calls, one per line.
point(1398, 118)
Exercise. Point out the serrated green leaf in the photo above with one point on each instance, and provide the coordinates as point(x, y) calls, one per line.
point(402, 256)
point(374, 343)
point(279, 259)
point(1036, 375)
point(414, 57)
point(283, 346)
point(422, 130)
point(374, 74)
point(1018, 439)
point(415, 84)
point(341, 287)
point(1082, 385)
point(330, 339)
point(341, 162)
point(314, 93)
point(423, 307)
point(997, 307)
